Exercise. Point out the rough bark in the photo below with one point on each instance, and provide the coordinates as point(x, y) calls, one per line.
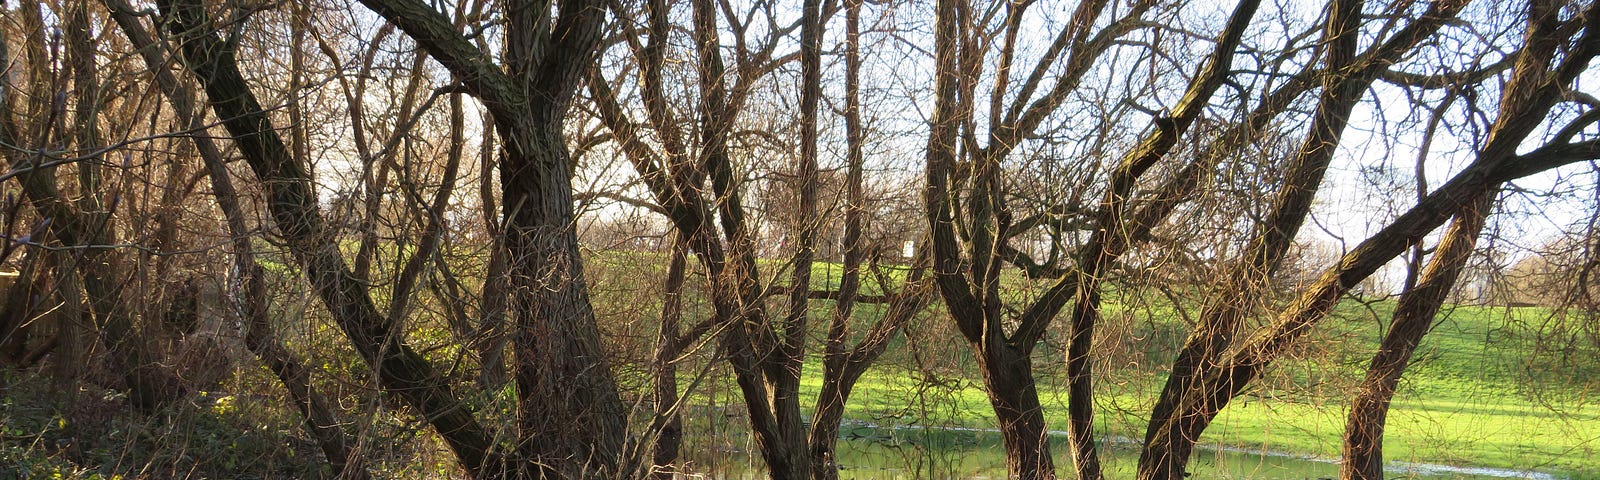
point(560, 367)
point(1413, 318)
point(1008, 379)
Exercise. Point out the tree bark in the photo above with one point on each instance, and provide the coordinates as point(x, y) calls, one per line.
point(570, 418)
point(560, 367)
point(1413, 318)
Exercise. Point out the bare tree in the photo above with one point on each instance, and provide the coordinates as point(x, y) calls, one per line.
point(90, 266)
point(295, 213)
point(689, 179)
point(964, 179)
point(1537, 79)
point(250, 289)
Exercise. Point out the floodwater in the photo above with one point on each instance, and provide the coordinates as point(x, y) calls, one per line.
point(871, 452)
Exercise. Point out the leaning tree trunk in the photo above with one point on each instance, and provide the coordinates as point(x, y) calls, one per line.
point(400, 369)
point(1413, 317)
point(1171, 435)
point(1526, 99)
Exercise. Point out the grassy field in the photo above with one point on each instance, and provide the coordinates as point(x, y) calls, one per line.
point(1491, 387)
point(1472, 399)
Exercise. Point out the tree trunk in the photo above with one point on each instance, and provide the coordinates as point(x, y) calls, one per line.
point(825, 422)
point(570, 417)
point(1413, 317)
point(774, 417)
point(670, 437)
point(1008, 378)
point(838, 376)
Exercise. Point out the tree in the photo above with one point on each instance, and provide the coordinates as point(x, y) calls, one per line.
point(250, 291)
point(1168, 155)
point(967, 268)
point(689, 179)
point(89, 269)
point(1533, 89)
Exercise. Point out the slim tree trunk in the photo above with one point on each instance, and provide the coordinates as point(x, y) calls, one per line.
point(670, 438)
point(843, 368)
point(843, 365)
point(1107, 244)
point(836, 384)
point(789, 356)
point(490, 339)
point(1413, 317)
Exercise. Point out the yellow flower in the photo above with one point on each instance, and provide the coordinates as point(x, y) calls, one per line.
point(224, 406)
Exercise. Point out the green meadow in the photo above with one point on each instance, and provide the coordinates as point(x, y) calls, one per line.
point(1490, 387)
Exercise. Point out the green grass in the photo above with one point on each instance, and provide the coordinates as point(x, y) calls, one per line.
point(1490, 387)
point(1466, 401)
